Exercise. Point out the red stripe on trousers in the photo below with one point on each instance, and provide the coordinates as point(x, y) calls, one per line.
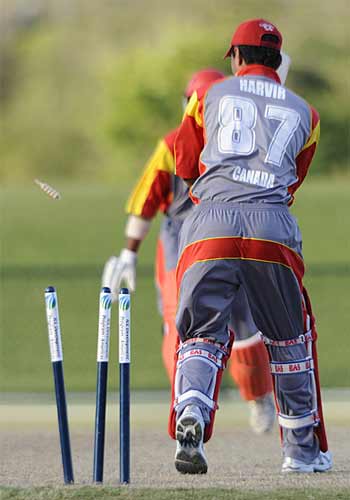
point(239, 248)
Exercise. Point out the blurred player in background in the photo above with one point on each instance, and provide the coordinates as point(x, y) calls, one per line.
point(160, 190)
point(244, 146)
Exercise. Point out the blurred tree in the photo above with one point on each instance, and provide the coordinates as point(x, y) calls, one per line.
point(88, 87)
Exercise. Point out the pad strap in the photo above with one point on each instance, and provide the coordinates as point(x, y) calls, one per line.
point(298, 422)
point(200, 353)
point(196, 394)
point(195, 340)
point(289, 368)
point(301, 339)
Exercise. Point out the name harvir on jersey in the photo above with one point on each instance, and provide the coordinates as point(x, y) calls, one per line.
point(264, 89)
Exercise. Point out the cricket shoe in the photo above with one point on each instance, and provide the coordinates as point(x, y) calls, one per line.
point(189, 456)
point(321, 463)
point(262, 414)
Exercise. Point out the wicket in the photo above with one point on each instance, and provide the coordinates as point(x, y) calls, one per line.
point(104, 330)
point(55, 342)
point(124, 386)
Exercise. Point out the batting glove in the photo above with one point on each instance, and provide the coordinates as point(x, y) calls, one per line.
point(120, 269)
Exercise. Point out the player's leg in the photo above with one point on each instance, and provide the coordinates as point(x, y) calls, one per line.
point(202, 321)
point(278, 308)
point(166, 259)
point(159, 274)
point(320, 430)
point(170, 335)
point(249, 366)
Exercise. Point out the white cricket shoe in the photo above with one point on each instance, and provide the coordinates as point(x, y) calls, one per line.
point(321, 463)
point(262, 414)
point(189, 456)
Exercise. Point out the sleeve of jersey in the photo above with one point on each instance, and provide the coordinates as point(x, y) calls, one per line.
point(304, 158)
point(189, 141)
point(153, 190)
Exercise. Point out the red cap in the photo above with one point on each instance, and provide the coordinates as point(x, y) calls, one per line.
point(201, 78)
point(251, 32)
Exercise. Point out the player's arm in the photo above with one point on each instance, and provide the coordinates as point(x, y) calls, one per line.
point(305, 156)
point(152, 193)
point(189, 141)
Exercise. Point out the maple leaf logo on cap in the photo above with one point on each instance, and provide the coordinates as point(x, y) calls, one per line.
point(267, 27)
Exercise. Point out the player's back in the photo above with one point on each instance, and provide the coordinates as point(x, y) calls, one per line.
point(254, 129)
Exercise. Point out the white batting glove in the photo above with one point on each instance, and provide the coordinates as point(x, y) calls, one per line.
point(120, 269)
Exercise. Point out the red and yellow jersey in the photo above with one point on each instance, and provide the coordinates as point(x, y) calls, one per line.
point(158, 188)
point(246, 138)
point(153, 191)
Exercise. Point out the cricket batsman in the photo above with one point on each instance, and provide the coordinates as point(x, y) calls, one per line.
point(160, 190)
point(244, 146)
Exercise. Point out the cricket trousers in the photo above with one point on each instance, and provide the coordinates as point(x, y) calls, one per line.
point(249, 363)
point(225, 247)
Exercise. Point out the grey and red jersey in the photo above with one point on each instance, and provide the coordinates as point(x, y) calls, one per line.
point(246, 139)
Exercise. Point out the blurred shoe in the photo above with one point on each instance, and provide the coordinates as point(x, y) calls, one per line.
point(262, 414)
point(189, 456)
point(321, 463)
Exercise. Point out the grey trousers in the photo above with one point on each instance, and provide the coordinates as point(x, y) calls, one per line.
point(225, 248)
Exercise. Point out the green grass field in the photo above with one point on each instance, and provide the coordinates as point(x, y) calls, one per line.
point(65, 244)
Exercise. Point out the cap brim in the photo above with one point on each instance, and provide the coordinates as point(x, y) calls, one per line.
point(228, 53)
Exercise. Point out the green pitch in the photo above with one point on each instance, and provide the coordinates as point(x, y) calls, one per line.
point(65, 243)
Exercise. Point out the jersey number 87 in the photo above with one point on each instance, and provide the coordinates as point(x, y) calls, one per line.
point(237, 119)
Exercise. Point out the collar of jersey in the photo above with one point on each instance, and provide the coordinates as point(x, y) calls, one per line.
point(259, 70)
